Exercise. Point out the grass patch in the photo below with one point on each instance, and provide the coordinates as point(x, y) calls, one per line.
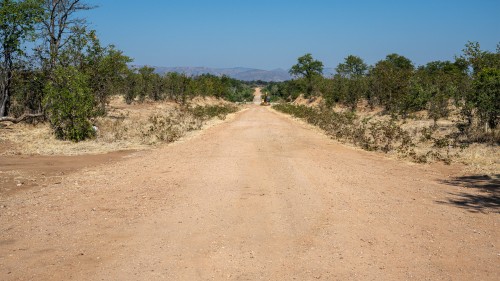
point(388, 136)
point(137, 126)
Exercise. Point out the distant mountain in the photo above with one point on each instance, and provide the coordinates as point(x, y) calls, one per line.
point(240, 73)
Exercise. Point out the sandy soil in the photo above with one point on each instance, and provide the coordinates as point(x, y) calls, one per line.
point(257, 96)
point(259, 197)
point(26, 171)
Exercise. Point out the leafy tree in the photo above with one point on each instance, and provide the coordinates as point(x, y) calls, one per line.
point(486, 97)
point(105, 66)
point(107, 71)
point(400, 62)
point(17, 23)
point(390, 81)
point(176, 86)
point(352, 84)
point(308, 68)
point(147, 74)
point(134, 86)
point(60, 25)
point(352, 67)
point(70, 104)
point(478, 59)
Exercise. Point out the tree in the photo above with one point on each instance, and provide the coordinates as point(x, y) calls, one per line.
point(70, 104)
point(308, 68)
point(390, 81)
point(479, 59)
point(353, 66)
point(106, 68)
point(60, 25)
point(400, 62)
point(147, 74)
point(17, 22)
point(351, 77)
point(486, 97)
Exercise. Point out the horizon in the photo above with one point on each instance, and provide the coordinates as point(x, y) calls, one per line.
point(272, 35)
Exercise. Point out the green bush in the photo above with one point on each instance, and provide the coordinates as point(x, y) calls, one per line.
point(70, 104)
point(385, 136)
point(245, 94)
point(486, 96)
point(211, 111)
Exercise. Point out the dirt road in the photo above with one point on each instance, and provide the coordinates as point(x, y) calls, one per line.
point(259, 197)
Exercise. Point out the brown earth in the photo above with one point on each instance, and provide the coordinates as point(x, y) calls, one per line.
point(261, 196)
point(26, 171)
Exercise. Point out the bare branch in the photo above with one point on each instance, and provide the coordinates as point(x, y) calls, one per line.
point(21, 118)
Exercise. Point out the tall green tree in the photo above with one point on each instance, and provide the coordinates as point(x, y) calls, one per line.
point(486, 97)
point(479, 59)
point(351, 77)
point(390, 81)
point(353, 66)
point(308, 68)
point(60, 25)
point(17, 23)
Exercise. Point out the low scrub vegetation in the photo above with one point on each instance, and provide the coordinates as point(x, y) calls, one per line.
point(138, 126)
point(211, 111)
point(160, 124)
point(169, 126)
point(378, 134)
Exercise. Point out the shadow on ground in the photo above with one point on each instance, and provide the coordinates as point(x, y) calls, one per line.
point(482, 193)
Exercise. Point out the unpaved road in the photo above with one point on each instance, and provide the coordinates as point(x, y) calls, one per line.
point(259, 197)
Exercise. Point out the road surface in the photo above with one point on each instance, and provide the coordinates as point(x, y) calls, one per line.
point(259, 197)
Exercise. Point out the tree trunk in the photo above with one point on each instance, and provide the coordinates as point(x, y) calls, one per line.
point(5, 103)
point(6, 83)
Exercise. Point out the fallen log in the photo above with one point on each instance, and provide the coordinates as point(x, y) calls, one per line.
point(20, 118)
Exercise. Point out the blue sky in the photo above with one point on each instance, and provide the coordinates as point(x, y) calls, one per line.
point(271, 34)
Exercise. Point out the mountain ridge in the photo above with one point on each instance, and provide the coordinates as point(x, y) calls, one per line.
point(240, 73)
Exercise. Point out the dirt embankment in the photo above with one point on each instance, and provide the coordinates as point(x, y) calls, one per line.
point(261, 196)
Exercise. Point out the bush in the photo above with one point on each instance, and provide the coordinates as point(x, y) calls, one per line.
point(70, 104)
point(385, 136)
point(486, 97)
point(211, 111)
point(240, 95)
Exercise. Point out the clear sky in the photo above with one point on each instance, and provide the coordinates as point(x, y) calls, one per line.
point(271, 34)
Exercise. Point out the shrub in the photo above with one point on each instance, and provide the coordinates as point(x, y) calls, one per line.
point(383, 135)
point(486, 97)
point(211, 111)
point(70, 104)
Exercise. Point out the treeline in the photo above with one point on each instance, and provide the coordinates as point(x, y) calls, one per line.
point(470, 84)
point(54, 67)
point(144, 83)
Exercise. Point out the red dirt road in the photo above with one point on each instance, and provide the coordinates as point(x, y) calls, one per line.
point(259, 197)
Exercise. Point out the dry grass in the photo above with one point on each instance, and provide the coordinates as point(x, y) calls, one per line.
point(312, 101)
point(126, 127)
point(479, 158)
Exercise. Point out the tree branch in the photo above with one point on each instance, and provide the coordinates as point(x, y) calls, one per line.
point(21, 118)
